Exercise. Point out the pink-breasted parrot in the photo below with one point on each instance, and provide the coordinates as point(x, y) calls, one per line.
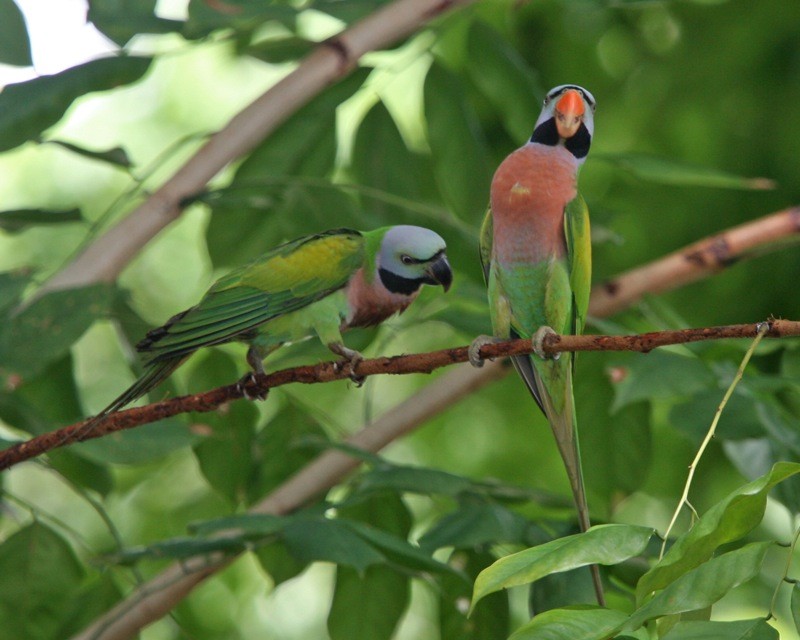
point(536, 256)
point(320, 285)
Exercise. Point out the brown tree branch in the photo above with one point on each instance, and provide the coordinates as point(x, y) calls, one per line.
point(698, 260)
point(158, 596)
point(331, 61)
point(414, 363)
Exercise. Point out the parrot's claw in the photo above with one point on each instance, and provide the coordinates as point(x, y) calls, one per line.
point(248, 380)
point(538, 343)
point(352, 358)
point(474, 351)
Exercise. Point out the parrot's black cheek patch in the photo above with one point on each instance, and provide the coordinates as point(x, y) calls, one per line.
point(546, 133)
point(578, 145)
point(399, 284)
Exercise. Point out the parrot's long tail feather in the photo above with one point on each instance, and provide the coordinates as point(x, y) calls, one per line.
point(155, 374)
point(566, 435)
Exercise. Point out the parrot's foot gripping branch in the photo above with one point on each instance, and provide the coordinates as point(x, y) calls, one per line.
point(352, 358)
point(249, 380)
point(475, 346)
point(537, 342)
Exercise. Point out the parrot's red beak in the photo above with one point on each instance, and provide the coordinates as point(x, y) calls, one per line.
point(569, 113)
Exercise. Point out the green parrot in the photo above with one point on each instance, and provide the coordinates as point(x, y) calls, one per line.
point(536, 256)
point(320, 285)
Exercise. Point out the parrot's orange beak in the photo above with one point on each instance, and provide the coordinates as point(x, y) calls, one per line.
point(569, 113)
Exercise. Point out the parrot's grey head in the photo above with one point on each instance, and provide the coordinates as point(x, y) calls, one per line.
point(410, 257)
point(567, 119)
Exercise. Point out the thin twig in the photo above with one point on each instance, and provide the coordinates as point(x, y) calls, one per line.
point(396, 365)
point(762, 330)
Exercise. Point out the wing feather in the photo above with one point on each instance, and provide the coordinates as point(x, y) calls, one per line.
point(288, 278)
point(579, 255)
point(485, 243)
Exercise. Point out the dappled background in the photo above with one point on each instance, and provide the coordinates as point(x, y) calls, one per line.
point(696, 132)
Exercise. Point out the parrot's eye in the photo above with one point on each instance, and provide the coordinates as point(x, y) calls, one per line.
point(407, 259)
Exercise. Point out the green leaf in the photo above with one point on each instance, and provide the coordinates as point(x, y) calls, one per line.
point(19, 219)
point(15, 47)
point(12, 286)
point(142, 444)
point(491, 618)
point(121, 20)
point(225, 452)
point(83, 472)
point(41, 403)
point(473, 525)
point(581, 622)
point(90, 602)
point(602, 544)
point(116, 155)
point(757, 629)
point(276, 560)
point(738, 421)
point(277, 50)
point(457, 145)
point(248, 525)
point(44, 571)
point(28, 108)
point(241, 15)
point(616, 448)
point(703, 586)
point(312, 539)
point(661, 374)
point(368, 606)
point(414, 480)
point(179, 548)
point(268, 203)
point(402, 197)
point(350, 10)
point(795, 605)
point(48, 327)
point(398, 549)
point(503, 76)
point(378, 150)
point(674, 172)
point(730, 519)
point(280, 449)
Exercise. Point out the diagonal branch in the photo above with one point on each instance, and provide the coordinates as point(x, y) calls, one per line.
point(699, 260)
point(414, 363)
point(331, 61)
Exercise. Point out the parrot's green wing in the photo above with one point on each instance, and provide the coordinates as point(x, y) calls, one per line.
point(288, 278)
point(485, 243)
point(579, 254)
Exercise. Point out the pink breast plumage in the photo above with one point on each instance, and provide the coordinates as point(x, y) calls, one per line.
point(530, 190)
point(371, 303)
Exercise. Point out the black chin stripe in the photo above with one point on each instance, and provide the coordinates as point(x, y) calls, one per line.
point(578, 145)
point(398, 284)
point(546, 133)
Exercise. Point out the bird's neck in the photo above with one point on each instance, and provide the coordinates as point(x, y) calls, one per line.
point(370, 302)
point(530, 190)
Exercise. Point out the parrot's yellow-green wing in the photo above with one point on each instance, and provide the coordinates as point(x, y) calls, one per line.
point(579, 255)
point(485, 243)
point(288, 278)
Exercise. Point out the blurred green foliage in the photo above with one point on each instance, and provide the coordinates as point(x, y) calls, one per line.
point(695, 133)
